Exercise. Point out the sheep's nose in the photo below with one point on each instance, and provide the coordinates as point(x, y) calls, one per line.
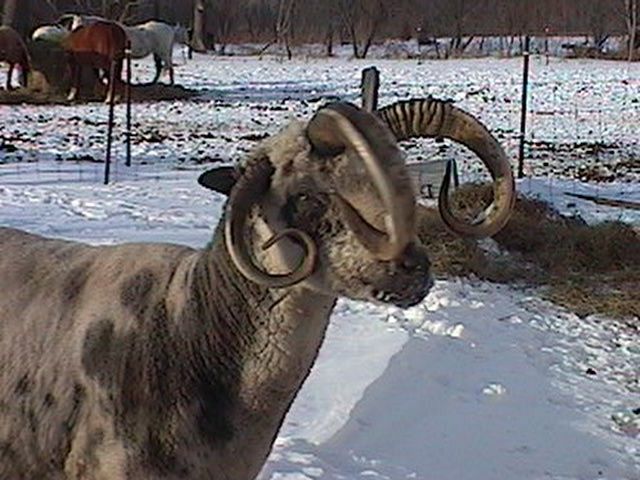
point(414, 258)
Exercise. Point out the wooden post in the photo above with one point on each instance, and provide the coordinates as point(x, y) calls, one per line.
point(127, 53)
point(523, 108)
point(111, 96)
point(369, 88)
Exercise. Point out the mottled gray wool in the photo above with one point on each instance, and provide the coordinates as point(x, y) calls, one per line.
point(158, 361)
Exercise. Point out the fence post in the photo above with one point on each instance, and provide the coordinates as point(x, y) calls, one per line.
point(128, 95)
point(523, 108)
point(111, 97)
point(369, 88)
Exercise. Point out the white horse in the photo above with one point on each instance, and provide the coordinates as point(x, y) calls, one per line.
point(50, 33)
point(153, 38)
point(74, 21)
point(149, 38)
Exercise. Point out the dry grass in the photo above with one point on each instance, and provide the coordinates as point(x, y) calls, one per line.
point(589, 269)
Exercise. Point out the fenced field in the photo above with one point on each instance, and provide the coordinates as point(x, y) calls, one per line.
point(583, 115)
point(437, 390)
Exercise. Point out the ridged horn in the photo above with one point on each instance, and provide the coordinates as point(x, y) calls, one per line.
point(341, 126)
point(428, 117)
point(246, 193)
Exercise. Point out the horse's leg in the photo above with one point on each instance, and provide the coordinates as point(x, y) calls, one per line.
point(9, 75)
point(24, 78)
point(75, 79)
point(169, 61)
point(111, 82)
point(119, 84)
point(100, 75)
point(115, 81)
point(158, 62)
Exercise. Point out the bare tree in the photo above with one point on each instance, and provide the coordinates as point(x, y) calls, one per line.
point(630, 11)
point(259, 20)
point(199, 22)
point(225, 16)
point(9, 12)
point(361, 19)
point(456, 14)
point(17, 14)
point(283, 26)
point(597, 20)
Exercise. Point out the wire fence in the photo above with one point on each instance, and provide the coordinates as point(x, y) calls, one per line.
point(583, 118)
point(579, 126)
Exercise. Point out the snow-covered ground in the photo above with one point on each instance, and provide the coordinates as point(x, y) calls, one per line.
point(478, 382)
point(583, 114)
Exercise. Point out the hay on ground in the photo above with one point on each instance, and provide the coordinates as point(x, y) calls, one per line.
point(588, 269)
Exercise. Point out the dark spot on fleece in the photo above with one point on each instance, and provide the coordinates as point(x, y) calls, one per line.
point(135, 291)
point(77, 399)
point(23, 386)
point(214, 411)
point(97, 350)
point(68, 425)
point(49, 401)
point(146, 391)
point(74, 283)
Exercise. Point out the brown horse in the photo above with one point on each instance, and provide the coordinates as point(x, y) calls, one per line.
point(99, 45)
point(14, 51)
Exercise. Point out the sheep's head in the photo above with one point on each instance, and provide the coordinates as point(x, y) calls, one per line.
point(330, 205)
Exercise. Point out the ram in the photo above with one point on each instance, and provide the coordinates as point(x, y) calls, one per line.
point(158, 361)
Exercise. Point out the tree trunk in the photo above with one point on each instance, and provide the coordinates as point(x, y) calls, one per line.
point(17, 15)
point(354, 42)
point(199, 14)
point(284, 25)
point(9, 12)
point(632, 25)
point(328, 41)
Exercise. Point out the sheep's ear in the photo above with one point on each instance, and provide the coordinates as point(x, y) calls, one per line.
point(221, 179)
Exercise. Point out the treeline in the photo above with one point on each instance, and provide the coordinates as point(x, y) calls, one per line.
point(217, 23)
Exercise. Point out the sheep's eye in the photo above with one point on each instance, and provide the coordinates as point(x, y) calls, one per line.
point(302, 207)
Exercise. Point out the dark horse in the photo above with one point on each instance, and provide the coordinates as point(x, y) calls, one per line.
point(14, 52)
point(100, 45)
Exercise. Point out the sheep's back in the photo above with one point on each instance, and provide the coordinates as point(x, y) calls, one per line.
point(53, 295)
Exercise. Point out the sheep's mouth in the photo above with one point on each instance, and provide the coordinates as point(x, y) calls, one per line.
point(404, 298)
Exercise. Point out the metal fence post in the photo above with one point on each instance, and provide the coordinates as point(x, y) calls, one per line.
point(369, 88)
point(128, 95)
point(111, 96)
point(523, 108)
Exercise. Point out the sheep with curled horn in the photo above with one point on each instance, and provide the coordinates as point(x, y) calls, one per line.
point(432, 118)
point(160, 361)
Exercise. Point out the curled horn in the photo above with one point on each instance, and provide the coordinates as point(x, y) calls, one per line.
point(434, 118)
point(341, 126)
point(248, 191)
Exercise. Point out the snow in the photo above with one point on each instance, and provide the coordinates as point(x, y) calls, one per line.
point(480, 381)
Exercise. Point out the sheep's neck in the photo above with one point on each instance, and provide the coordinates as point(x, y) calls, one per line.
point(261, 342)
